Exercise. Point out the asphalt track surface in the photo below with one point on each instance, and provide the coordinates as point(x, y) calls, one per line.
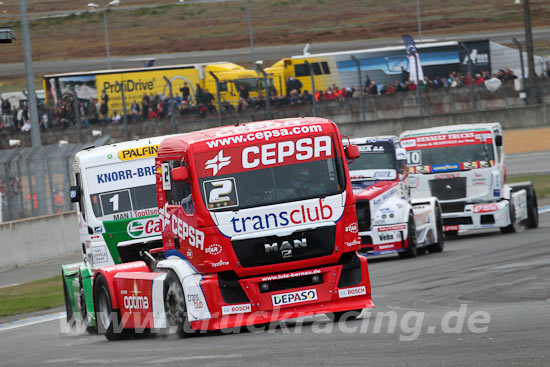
point(243, 54)
point(538, 162)
point(499, 281)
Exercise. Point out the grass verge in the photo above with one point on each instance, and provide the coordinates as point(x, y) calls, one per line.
point(541, 183)
point(33, 296)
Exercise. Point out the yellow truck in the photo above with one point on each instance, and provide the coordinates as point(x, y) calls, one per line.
point(140, 81)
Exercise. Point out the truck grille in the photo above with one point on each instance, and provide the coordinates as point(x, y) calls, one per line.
point(455, 207)
point(449, 188)
point(275, 250)
point(363, 215)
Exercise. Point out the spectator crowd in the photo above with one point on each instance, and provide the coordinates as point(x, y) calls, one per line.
point(201, 102)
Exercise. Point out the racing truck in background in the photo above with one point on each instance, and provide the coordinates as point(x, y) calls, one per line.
point(464, 167)
point(389, 221)
point(114, 188)
point(253, 220)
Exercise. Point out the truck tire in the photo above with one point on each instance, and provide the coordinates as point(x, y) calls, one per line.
point(438, 246)
point(174, 304)
point(412, 250)
point(532, 209)
point(513, 226)
point(83, 308)
point(68, 304)
point(107, 319)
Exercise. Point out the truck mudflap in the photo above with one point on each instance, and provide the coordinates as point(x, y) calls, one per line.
point(283, 296)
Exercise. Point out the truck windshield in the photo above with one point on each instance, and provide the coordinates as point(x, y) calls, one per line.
point(452, 154)
point(126, 203)
point(274, 185)
point(377, 161)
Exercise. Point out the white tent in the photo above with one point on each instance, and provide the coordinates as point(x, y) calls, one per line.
point(85, 92)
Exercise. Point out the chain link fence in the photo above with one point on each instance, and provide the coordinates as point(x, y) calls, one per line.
point(35, 181)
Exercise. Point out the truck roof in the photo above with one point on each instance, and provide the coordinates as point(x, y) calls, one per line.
point(118, 152)
point(450, 129)
point(231, 135)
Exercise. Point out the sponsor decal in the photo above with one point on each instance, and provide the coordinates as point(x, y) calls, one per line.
point(261, 135)
point(443, 176)
point(219, 263)
point(189, 254)
point(137, 153)
point(453, 139)
point(127, 174)
point(397, 227)
point(294, 297)
point(355, 242)
point(451, 228)
point(145, 213)
point(302, 215)
point(277, 153)
point(136, 302)
point(496, 193)
point(99, 254)
point(178, 227)
point(386, 237)
point(352, 228)
point(408, 143)
point(143, 227)
point(445, 167)
point(291, 275)
point(369, 148)
point(233, 309)
point(217, 163)
point(214, 249)
point(285, 247)
point(350, 292)
point(120, 267)
point(385, 247)
point(382, 174)
point(195, 300)
point(485, 208)
point(98, 229)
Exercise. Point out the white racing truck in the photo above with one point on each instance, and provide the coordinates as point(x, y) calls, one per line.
point(388, 220)
point(463, 166)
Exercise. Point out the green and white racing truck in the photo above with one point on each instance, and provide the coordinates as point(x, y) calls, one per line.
point(114, 189)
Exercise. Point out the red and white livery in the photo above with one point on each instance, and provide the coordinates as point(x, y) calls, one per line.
point(388, 220)
point(254, 223)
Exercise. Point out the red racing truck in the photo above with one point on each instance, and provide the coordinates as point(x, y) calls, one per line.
point(253, 220)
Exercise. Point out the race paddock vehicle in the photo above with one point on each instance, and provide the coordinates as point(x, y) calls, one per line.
point(389, 221)
point(463, 166)
point(253, 221)
point(114, 188)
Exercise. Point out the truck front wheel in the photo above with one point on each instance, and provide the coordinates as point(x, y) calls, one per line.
point(513, 226)
point(174, 304)
point(438, 246)
point(108, 319)
point(412, 250)
point(532, 209)
point(68, 304)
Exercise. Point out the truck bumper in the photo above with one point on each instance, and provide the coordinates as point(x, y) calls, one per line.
point(276, 297)
point(382, 240)
point(478, 216)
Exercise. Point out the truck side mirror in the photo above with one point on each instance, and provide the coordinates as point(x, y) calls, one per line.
point(352, 152)
point(74, 193)
point(180, 174)
point(498, 140)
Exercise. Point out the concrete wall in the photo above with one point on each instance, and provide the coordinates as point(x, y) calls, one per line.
point(35, 240)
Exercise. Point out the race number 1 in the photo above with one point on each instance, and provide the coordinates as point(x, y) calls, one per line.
point(166, 182)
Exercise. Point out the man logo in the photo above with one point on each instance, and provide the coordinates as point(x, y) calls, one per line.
point(285, 248)
point(217, 163)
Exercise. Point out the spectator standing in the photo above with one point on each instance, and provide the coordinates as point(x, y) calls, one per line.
point(91, 111)
point(104, 111)
point(404, 75)
point(185, 92)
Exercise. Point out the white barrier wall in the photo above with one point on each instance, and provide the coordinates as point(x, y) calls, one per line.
point(34, 240)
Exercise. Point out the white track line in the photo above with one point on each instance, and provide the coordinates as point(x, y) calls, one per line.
point(15, 324)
